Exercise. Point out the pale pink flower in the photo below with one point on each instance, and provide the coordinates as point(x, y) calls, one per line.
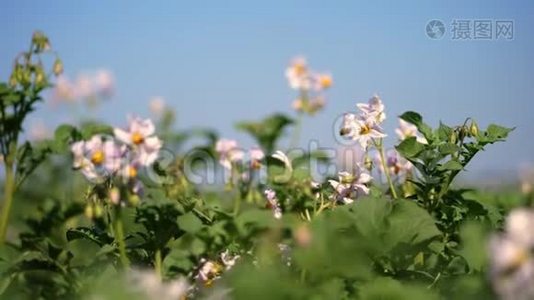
point(322, 81)
point(512, 262)
point(228, 260)
point(208, 272)
point(229, 152)
point(273, 203)
point(150, 284)
point(157, 106)
point(256, 156)
point(373, 110)
point(140, 136)
point(97, 157)
point(349, 187)
point(297, 74)
point(64, 90)
point(361, 130)
point(104, 83)
point(406, 130)
point(396, 164)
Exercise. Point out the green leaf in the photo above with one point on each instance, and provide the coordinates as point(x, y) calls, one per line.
point(64, 135)
point(89, 129)
point(474, 245)
point(416, 119)
point(410, 147)
point(498, 133)
point(189, 223)
point(268, 131)
point(451, 165)
point(410, 223)
point(92, 234)
point(448, 148)
point(386, 288)
point(444, 132)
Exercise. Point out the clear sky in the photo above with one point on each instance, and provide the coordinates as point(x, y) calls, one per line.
point(222, 61)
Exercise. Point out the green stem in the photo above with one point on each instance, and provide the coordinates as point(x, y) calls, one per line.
point(9, 188)
point(385, 167)
point(237, 205)
point(296, 132)
point(157, 263)
point(119, 237)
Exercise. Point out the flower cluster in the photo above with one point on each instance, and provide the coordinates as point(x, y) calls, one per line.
point(233, 158)
point(349, 187)
point(87, 86)
point(364, 127)
point(511, 254)
point(122, 156)
point(310, 85)
point(210, 270)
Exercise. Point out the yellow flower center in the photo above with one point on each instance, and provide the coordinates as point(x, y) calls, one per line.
point(299, 68)
point(137, 138)
point(98, 157)
point(132, 172)
point(519, 259)
point(365, 129)
point(325, 81)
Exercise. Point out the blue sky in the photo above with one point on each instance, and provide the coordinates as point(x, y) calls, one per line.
point(220, 62)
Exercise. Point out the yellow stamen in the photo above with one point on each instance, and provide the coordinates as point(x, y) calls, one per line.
point(520, 258)
point(365, 129)
point(98, 157)
point(132, 172)
point(299, 68)
point(137, 138)
point(325, 81)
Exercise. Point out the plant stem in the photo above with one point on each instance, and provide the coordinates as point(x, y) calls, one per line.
point(237, 204)
point(119, 237)
point(296, 132)
point(9, 188)
point(157, 263)
point(385, 167)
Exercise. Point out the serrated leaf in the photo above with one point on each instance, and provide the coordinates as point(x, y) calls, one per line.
point(91, 234)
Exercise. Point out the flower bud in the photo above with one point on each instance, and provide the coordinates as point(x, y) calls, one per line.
point(133, 200)
point(368, 163)
point(114, 196)
point(453, 137)
point(40, 41)
point(13, 80)
point(98, 211)
point(89, 212)
point(58, 67)
point(303, 235)
point(473, 129)
point(40, 77)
